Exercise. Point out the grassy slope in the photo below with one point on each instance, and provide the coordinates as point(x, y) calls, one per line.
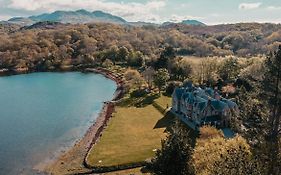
point(131, 136)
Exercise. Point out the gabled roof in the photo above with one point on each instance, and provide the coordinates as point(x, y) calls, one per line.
point(178, 92)
point(218, 105)
point(202, 106)
point(200, 98)
point(230, 103)
point(210, 92)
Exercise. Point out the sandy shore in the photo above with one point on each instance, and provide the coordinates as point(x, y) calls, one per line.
point(72, 161)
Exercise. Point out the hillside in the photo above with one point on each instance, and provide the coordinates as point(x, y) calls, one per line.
point(83, 16)
point(184, 22)
point(73, 17)
point(51, 45)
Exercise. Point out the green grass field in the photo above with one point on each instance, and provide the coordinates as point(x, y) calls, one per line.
point(133, 135)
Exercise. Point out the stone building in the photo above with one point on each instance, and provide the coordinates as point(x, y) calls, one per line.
point(203, 106)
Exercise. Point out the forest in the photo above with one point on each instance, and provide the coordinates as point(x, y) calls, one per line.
point(54, 46)
point(242, 60)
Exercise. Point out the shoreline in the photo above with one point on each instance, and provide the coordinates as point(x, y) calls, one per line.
point(72, 161)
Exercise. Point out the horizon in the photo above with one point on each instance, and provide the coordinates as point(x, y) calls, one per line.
point(155, 11)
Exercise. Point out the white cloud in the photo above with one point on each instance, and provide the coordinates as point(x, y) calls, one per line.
point(5, 17)
point(274, 8)
point(249, 6)
point(132, 11)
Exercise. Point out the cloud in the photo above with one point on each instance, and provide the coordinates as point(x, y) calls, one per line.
point(132, 11)
point(5, 17)
point(274, 8)
point(249, 6)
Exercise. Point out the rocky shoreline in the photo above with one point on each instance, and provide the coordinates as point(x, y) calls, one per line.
point(73, 160)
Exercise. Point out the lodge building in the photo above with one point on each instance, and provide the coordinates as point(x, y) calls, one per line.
point(203, 106)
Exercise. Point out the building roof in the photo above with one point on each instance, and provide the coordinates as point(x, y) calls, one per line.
point(218, 105)
point(200, 98)
point(178, 92)
point(209, 91)
point(202, 106)
point(230, 103)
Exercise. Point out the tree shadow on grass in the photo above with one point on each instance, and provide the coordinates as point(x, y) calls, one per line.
point(138, 102)
point(148, 100)
point(166, 121)
point(169, 119)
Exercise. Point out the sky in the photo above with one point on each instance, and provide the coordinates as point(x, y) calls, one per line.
point(157, 11)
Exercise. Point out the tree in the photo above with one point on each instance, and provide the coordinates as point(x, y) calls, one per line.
point(148, 75)
point(171, 87)
point(135, 59)
point(175, 154)
point(252, 116)
point(180, 68)
point(133, 77)
point(230, 69)
point(271, 86)
point(167, 54)
point(107, 63)
point(122, 54)
point(160, 78)
point(112, 54)
point(209, 69)
point(237, 161)
point(213, 154)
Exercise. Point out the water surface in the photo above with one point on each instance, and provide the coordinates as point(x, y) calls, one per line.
point(41, 113)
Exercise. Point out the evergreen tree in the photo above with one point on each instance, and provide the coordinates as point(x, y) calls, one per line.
point(167, 55)
point(175, 155)
point(160, 78)
point(230, 69)
point(252, 116)
point(271, 87)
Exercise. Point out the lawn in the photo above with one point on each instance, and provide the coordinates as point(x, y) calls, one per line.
point(164, 101)
point(134, 171)
point(132, 135)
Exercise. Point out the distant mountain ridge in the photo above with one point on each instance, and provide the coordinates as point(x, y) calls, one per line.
point(73, 17)
point(193, 22)
point(185, 22)
point(84, 16)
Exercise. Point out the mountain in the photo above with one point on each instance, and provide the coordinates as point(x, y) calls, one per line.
point(185, 22)
point(84, 16)
point(73, 17)
point(193, 23)
point(21, 21)
point(143, 24)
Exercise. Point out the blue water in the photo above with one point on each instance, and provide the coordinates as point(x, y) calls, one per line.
point(40, 113)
